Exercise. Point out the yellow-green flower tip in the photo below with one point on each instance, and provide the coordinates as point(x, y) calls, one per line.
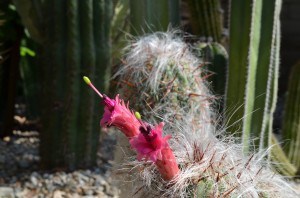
point(138, 115)
point(86, 80)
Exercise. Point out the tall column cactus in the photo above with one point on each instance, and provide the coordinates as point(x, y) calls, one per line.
point(74, 40)
point(253, 68)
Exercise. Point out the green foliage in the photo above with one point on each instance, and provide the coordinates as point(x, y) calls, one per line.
point(24, 51)
point(253, 68)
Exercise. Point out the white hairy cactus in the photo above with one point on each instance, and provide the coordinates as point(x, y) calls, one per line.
point(164, 81)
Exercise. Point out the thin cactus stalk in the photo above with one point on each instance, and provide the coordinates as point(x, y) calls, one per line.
point(164, 86)
point(252, 58)
point(206, 18)
point(74, 41)
point(291, 121)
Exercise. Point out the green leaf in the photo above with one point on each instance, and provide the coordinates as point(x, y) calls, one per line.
point(26, 51)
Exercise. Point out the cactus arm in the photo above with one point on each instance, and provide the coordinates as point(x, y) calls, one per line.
point(251, 72)
point(274, 87)
point(266, 78)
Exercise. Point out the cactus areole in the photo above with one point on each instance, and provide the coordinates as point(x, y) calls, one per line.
point(145, 139)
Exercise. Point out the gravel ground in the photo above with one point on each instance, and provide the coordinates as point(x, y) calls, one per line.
point(19, 175)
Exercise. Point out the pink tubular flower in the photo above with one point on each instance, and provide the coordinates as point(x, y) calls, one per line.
point(117, 114)
point(150, 144)
point(147, 141)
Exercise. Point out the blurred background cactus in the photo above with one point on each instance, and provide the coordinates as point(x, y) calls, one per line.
point(73, 40)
